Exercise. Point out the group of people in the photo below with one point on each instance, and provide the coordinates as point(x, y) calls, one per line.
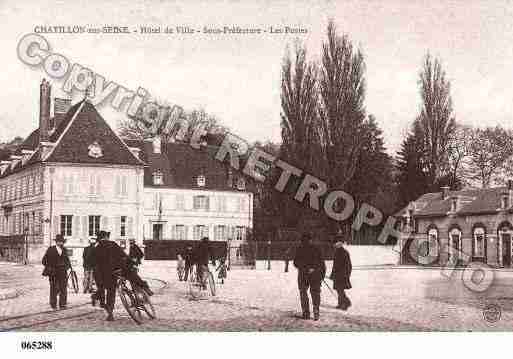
point(312, 271)
point(104, 261)
point(200, 256)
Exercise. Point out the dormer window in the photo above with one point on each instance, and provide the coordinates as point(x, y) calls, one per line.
point(201, 181)
point(505, 201)
point(158, 178)
point(454, 204)
point(241, 184)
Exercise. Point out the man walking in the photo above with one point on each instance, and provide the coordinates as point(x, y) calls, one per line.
point(108, 258)
point(341, 273)
point(187, 256)
point(311, 271)
point(88, 264)
point(57, 263)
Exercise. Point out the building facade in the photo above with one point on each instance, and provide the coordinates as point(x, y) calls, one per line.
point(73, 175)
point(459, 227)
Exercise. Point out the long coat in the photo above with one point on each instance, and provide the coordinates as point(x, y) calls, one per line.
point(54, 262)
point(135, 253)
point(108, 257)
point(342, 267)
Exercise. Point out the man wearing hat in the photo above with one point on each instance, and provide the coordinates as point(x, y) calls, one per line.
point(108, 257)
point(57, 263)
point(110, 261)
point(311, 270)
point(341, 273)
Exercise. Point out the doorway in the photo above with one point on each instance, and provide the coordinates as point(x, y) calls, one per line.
point(506, 249)
point(157, 231)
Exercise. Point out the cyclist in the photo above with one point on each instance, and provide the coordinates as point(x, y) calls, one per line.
point(110, 261)
point(202, 256)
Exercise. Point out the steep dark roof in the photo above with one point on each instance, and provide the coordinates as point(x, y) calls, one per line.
point(86, 127)
point(472, 201)
point(181, 164)
point(83, 127)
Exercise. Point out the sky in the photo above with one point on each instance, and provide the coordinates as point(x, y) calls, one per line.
point(237, 77)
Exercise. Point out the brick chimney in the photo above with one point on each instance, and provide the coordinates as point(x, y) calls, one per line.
point(44, 110)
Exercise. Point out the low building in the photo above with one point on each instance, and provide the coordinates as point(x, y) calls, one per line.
point(74, 175)
point(459, 227)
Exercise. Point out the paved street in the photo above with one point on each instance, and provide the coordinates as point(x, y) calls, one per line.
point(258, 300)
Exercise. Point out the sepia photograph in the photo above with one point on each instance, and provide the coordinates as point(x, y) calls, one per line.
point(182, 168)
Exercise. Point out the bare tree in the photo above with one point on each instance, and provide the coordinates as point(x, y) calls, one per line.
point(169, 122)
point(435, 118)
point(458, 151)
point(489, 148)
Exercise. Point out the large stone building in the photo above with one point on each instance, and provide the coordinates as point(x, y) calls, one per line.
point(448, 227)
point(74, 175)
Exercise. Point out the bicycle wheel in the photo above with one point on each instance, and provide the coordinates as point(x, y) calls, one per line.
point(194, 285)
point(73, 281)
point(130, 303)
point(211, 283)
point(145, 303)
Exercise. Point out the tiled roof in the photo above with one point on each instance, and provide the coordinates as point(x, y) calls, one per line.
point(86, 127)
point(471, 201)
point(181, 164)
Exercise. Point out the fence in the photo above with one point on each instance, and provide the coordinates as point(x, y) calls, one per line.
point(13, 248)
point(168, 249)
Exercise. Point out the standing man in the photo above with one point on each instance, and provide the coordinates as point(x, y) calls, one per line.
point(135, 253)
point(88, 264)
point(341, 273)
point(187, 256)
point(311, 271)
point(57, 263)
point(202, 256)
point(108, 258)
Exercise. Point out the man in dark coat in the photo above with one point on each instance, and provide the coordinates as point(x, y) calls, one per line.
point(110, 262)
point(135, 253)
point(88, 264)
point(57, 263)
point(311, 271)
point(108, 258)
point(202, 255)
point(341, 274)
point(187, 256)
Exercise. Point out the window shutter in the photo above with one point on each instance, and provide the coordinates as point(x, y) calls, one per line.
point(104, 223)
point(56, 225)
point(173, 232)
point(186, 230)
point(118, 186)
point(76, 227)
point(85, 226)
point(124, 186)
point(117, 226)
point(98, 184)
point(129, 223)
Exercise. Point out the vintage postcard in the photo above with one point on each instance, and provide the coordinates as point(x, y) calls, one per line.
point(263, 166)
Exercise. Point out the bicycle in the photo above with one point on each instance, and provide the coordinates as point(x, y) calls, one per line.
point(73, 281)
point(135, 300)
point(203, 286)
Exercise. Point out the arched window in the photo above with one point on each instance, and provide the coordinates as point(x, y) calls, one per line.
point(432, 239)
point(479, 242)
point(455, 244)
